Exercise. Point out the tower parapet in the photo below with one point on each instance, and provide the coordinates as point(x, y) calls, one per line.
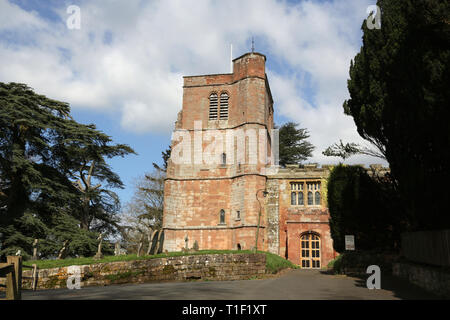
point(251, 64)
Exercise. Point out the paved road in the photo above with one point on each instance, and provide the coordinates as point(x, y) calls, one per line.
point(293, 284)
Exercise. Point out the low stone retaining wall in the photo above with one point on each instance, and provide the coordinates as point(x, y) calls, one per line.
point(356, 262)
point(433, 279)
point(205, 267)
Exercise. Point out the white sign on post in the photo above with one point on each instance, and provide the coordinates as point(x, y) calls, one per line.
point(349, 242)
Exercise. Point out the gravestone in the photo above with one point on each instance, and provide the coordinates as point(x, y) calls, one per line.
point(35, 254)
point(186, 243)
point(99, 254)
point(63, 250)
point(117, 249)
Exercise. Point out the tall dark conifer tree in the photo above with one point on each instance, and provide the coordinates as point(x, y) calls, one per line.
point(400, 98)
point(294, 148)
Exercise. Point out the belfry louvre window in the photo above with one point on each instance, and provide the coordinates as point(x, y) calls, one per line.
point(213, 106)
point(308, 190)
point(223, 106)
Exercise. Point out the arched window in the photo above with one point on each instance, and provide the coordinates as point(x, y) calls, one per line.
point(293, 196)
point(223, 106)
point(317, 198)
point(222, 216)
point(300, 198)
point(310, 198)
point(224, 159)
point(213, 106)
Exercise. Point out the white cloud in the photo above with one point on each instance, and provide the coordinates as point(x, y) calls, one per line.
point(129, 56)
point(326, 123)
point(11, 17)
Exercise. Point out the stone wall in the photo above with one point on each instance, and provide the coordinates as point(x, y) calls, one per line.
point(429, 247)
point(192, 211)
point(273, 218)
point(433, 279)
point(205, 267)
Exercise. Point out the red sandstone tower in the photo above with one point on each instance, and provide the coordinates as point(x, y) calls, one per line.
point(215, 198)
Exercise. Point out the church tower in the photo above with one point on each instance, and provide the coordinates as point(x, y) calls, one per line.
point(216, 175)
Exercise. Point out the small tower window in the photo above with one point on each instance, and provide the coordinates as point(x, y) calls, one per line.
point(213, 106)
point(222, 217)
point(224, 159)
point(223, 106)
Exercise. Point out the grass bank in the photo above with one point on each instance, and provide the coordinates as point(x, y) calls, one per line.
point(274, 263)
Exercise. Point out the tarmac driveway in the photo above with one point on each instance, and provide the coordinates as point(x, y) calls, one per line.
point(291, 285)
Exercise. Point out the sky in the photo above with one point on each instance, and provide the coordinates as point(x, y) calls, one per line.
point(122, 68)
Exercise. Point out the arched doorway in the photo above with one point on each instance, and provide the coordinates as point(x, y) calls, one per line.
point(310, 251)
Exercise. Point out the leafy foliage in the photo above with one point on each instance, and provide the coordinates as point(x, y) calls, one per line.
point(364, 206)
point(42, 153)
point(165, 156)
point(358, 261)
point(293, 145)
point(399, 101)
point(347, 150)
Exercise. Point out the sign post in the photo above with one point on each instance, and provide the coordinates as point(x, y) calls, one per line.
point(350, 242)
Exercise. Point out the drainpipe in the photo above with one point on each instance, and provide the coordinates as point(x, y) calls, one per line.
point(259, 217)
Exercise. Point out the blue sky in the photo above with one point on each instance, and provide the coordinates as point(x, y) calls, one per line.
point(122, 70)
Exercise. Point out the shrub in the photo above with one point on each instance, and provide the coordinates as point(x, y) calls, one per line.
point(358, 261)
point(364, 206)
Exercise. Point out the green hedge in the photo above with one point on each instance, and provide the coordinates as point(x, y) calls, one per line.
point(365, 207)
